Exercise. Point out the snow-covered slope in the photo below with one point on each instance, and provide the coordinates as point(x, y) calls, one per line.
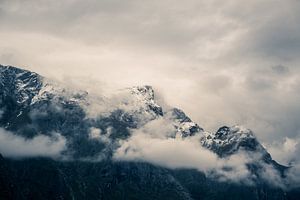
point(184, 125)
point(228, 140)
point(145, 94)
point(19, 84)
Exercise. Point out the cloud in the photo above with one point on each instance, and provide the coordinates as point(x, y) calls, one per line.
point(17, 146)
point(285, 151)
point(96, 134)
point(176, 153)
point(273, 177)
point(156, 143)
point(293, 176)
point(280, 69)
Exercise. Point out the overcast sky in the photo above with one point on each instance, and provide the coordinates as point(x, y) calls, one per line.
point(223, 62)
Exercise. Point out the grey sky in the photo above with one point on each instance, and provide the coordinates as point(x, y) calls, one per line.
point(222, 62)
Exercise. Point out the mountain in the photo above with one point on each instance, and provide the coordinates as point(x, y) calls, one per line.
point(228, 141)
point(94, 127)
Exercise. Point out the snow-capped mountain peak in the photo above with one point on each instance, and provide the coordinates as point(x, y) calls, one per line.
point(184, 125)
point(20, 84)
point(145, 94)
point(145, 91)
point(132, 108)
point(229, 140)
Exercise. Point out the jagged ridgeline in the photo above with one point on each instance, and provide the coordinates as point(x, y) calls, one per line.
point(95, 127)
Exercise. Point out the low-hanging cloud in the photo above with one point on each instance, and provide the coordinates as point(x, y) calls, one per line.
point(285, 151)
point(155, 143)
point(15, 146)
point(176, 153)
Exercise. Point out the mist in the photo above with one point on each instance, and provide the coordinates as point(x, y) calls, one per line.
point(15, 146)
point(153, 143)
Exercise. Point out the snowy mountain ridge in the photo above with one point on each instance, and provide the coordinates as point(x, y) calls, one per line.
point(32, 91)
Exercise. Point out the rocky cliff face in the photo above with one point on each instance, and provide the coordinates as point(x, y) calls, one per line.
point(32, 105)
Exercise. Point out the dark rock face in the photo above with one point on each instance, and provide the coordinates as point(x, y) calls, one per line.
point(83, 180)
point(48, 179)
point(180, 115)
point(31, 106)
point(184, 124)
point(222, 132)
point(229, 140)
